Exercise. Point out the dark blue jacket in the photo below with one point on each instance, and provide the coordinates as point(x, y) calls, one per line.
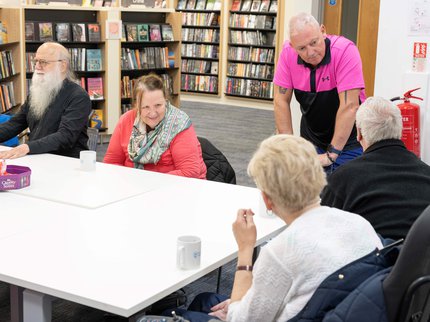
point(344, 289)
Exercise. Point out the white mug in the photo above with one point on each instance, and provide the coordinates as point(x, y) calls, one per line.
point(88, 160)
point(188, 252)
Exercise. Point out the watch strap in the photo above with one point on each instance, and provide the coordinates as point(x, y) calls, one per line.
point(332, 149)
point(244, 268)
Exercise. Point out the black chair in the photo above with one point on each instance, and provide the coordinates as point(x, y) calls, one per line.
point(218, 167)
point(407, 287)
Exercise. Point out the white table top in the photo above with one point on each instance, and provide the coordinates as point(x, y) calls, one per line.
point(57, 178)
point(122, 257)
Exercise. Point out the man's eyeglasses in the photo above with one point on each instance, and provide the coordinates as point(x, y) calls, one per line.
point(43, 62)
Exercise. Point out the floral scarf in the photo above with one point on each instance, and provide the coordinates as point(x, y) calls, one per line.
point(148, 147)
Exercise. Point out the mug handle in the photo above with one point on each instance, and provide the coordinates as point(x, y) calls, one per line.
point(181, 257)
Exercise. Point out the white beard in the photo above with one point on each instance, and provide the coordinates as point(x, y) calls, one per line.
point(43, 90)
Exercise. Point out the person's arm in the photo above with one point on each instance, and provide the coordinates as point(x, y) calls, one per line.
point(186, 154)
point(115, 152)
point(73, 120)
point(282, 110)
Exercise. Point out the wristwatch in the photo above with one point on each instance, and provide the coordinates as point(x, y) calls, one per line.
point(332, 149)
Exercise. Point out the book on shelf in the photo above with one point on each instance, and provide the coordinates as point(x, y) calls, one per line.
point(3, 32)
point(217, 5)
point(94, 32)
point(236, 5)
point(97, 119)
point(246, 6)
point(201, 5)
point(167, 32)
point(78, 32)
point(191, 4)
point(62, 32)
point(265, 4)
point(94, 60)
point(29, 31)
point(83, 83)
point(132, 32)
point(95, 88)
point(181, 4)
point(45, 31)
point(75, 2)
point(154, 32)
point(255, 7)
point(273, 6)
point(107, 3)
point(214, 67)
point(98, 3)
point(142, 32)
point(210, 4)
point(123, 33)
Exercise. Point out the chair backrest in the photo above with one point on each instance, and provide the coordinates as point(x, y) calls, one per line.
point(11, 142)
point(218, 167)
point(93, 137)
point(403, 293)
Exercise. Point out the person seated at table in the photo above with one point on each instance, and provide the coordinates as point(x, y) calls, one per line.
point(318, 240)
point(155, 135)
point(56, 111)
point(388, 185)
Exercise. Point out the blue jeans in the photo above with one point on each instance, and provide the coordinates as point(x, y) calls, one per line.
point(199, 307)
point(344, 157)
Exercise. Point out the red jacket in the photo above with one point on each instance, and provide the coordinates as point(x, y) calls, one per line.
point(182, 158)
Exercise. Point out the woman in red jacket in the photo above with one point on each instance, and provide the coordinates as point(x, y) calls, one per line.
point(155, 135)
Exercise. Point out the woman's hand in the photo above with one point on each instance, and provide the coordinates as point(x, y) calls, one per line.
point(220, 310)
point(244, 229)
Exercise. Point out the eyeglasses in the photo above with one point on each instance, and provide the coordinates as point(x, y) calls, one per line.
point(43, 62)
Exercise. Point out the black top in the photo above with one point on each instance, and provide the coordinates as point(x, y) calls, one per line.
point(61, 130)
point(388, 185)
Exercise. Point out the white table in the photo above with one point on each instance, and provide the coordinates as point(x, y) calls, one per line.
point(120, 257)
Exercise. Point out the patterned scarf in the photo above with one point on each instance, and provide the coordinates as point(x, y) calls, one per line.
point(148, 147)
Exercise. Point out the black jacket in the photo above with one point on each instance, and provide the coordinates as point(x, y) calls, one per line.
point(387, 185)
point(61, 130)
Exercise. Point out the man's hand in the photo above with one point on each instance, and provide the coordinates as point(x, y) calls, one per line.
point(220, 310)
point(325, 161)
point(19, 151)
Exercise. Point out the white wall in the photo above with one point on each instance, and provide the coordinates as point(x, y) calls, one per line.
point(393, 74)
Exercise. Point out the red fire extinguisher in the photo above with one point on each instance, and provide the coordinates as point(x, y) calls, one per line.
point(411, 121)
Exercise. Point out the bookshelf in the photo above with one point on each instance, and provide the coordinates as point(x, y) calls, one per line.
point(200, 51)
point(251, 48)
point(81, 30)
point(10, 61)
point(146, 48)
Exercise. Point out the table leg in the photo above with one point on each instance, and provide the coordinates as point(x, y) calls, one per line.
point(37, 307)
point(16, 303)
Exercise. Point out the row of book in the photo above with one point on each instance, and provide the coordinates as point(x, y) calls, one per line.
point(127, 85)
point(252, 21)
point(147, 32)
point(3, 32)
point(250, 70)
point(199, 66)
point(62, 32)
point(256, 54)
point(81, 59)
point(94, 87)
point(201, 51)
point(199, 83)
point(200, 35)
point(146, 58)
point(200, 19)
point(84, 3)
point(256, 38)
point(249, 87)
point(7, 67)
point(255, 5)
point(199, 5)
point(7, 96)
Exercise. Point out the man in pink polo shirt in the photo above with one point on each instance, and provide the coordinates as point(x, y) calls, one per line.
point(325, 73)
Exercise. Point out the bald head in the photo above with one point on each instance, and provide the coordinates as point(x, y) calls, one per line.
point(302, 21)
point(53, 51)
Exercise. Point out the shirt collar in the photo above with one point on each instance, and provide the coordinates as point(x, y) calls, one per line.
point(384, 143)
point(325, 61)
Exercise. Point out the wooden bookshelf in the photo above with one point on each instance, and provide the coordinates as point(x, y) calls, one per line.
point(74, 16)
point(251, 48)
point(162, 57)
point(201, 50)
point(11, 82)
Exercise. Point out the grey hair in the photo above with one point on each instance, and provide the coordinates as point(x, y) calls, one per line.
point(300, 21)
point(287, 169)
point(379, 119)
point(62, 54)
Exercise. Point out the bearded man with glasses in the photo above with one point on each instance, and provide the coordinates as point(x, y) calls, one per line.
point(56, 110)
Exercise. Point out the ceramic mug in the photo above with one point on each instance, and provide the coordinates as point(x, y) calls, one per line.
point(188, 252)
point(88, 160)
